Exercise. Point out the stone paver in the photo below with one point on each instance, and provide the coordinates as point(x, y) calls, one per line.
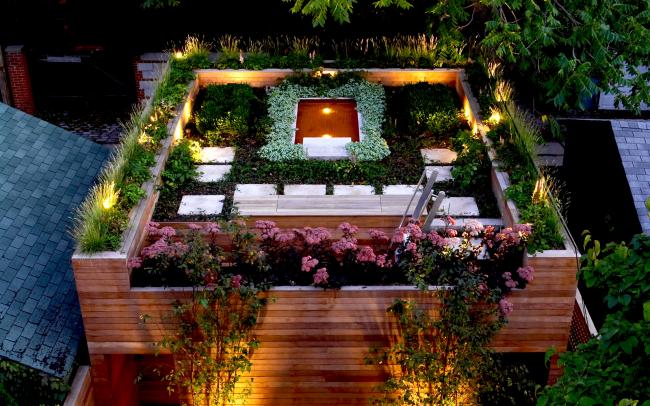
point(459, 206)
point(255, 189)
point(192, 205)
point(633, 140)
point(400, 189)
point(550, 148)
point(212, 173)
point(444, 172)
point(217, 155)
point(304, 190)
point(438, 155)
point(354, 190)
point(45, 173)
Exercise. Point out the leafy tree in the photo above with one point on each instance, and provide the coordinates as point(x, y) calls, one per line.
point(613, 368)
point(574, 48)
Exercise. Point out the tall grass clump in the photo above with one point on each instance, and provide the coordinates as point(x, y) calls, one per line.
point(101, 219)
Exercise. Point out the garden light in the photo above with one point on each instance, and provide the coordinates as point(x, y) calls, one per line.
point(178, 55)
point(109, 195)
point(326, 136)
point(495, 118)
point(327, 110)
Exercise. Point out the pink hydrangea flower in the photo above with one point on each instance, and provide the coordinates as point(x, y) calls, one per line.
point(505, 306)
point(235, 282)
point(378, 235)
point(412, 248)
point(321, 276)
point(414, 231)
point(348, 228)
point(212, 228)
point(509, 282)
point(398, 237)
point(308, 263)
point(194, 227)
point(382, 261)
point(366, 254)
point(526, 273)
point(344, 244)
point(135, 262)
point(473, 227)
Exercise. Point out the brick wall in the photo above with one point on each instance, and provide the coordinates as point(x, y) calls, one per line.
point(20, 83)
point(147, 68)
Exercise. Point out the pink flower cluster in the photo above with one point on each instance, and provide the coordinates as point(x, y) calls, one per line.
point(378, 235)
point(321, 276)
point(314, 236)
point(344, 244)
point(505, 306)
point(526, 273)
point(308, 263)
point(194, 227)
point(473, 227)
point(268, 229)
point(164, 247)
point(509, 282)
point(135, 262)
point(235, 282)
point(348, 229)
point(154, 230)
point(366, 254)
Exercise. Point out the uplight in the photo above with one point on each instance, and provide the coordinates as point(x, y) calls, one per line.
point(178, 54)
point(327, 110)
point(495, 117)
point(326, 136)
point(109, 195)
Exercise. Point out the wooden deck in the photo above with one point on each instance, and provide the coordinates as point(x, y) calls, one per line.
point(281, 205)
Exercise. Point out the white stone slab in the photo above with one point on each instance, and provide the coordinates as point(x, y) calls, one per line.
point(325, 142)
point(201, 205)
point(327, 152)
point(438, 155)
point(304, 190)
point(212, 173)
point(444, 172)
point(459, 206)
point(217, 155)
point(400, 189)
point(354, 190)
point(255, 189)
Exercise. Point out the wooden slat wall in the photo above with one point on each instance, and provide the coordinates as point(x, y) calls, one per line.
point(313, 341)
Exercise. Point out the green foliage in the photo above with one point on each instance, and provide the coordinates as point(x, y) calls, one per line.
point(97, 228)
point(429, 109)
point(572, 49)
point(282, 102)
point(472, 166)
point(179, 169)
point(225, 113)
point(22, 386)
point(611, 369)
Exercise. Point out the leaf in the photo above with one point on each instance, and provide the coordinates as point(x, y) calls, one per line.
point(646, 311)
point(629, 344)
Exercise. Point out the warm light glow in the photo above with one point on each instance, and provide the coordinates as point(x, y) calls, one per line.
point(144, 139)
point(326, 136)
point(327, 110)
point(109, 195)
point(178, 54)
point(330, 72)
point(495, 118)
point(540, 193)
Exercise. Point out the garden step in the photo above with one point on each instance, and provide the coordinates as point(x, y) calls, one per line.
point(400, 189)
point(550, 148)
point(444, 172)
point(550, 160)
point(255, 189)
point(304, 190)
point(212, 173)
point(353, 190)
point(459, 206)
point(217, 155)
point(460, 222)
point(438, 155)
point(327, 152)
point(201, 205)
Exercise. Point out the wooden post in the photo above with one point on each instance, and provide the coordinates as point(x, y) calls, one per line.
point(4, 88)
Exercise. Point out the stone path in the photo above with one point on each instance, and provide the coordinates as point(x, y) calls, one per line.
point(353, 190)
point(212, 173)
point(255, 189)
point(459, 207)
point(217, 155)
point(201, 205)
point(304, 190)
point(633, 141)
point(444, 172)
point(550, 154)
point(438, 155)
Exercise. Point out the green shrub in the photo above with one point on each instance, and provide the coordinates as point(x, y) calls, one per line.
point(20, 385)
point(179, 169)
point(225, 113)
point(472, 167)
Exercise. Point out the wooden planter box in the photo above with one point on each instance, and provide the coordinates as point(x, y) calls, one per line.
point(313, 342)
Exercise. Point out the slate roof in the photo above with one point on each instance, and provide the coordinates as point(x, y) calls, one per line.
point(633, 141)
point(45, 172)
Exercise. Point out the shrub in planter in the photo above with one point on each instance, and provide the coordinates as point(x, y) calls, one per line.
point(225, 113)
point(180, 169)
point(430, 109)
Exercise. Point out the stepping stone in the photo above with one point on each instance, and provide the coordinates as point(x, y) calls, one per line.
point(201, 205)
point(354, 190)
point(550, 160)
point(444, 172)
point(217, 155)
point(438, 155)
point(459, 206)
point(550, 148)
point(212, 173)
point(304, 190)
point(400, 189)
point(255, 189)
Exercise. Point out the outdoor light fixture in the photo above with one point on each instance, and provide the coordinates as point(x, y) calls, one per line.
point(109, 195)
point(178, 54)
point(327, 110)
point(495, 117)
point(326, 136)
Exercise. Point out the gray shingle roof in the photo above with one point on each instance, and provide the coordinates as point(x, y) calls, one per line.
point(633, 140)
point(45, 172)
